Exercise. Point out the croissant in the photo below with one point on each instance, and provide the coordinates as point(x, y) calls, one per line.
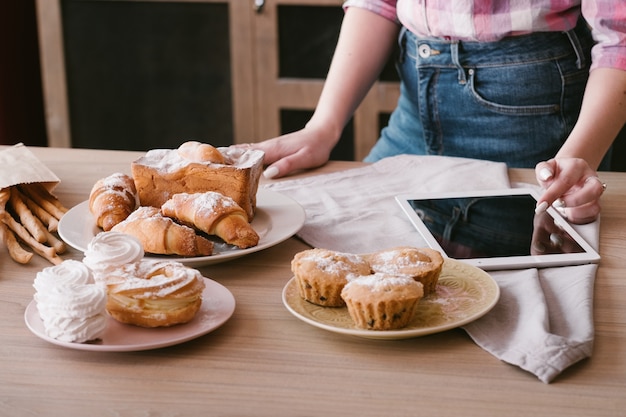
point(112, 199)
point(214, 214)
point(200, 152)
point(162, 235)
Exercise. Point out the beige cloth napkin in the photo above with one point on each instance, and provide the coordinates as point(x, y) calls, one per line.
point(543, 321)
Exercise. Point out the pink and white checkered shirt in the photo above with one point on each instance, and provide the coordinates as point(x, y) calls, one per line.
point(490, 20)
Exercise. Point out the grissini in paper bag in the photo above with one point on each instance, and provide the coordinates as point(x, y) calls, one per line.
point(29, 213)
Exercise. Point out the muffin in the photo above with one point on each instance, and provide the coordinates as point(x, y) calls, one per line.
point(321, 274)
point(423, 264)
point(382, 302)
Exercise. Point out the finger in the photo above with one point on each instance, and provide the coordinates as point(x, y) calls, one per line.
point(272, 172)
point(544, 171)
point(595, 184)
point(586, 193)
point(283, 167)
point(582, 214)
point(560, 193)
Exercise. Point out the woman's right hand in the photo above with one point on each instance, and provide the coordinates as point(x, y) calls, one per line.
point(302, 149)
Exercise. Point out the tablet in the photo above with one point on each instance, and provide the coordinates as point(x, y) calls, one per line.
point(496, 229)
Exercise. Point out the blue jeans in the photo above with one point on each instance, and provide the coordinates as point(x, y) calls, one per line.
point(512, 101)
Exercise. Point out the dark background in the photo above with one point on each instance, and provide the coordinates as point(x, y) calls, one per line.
point(21, 101)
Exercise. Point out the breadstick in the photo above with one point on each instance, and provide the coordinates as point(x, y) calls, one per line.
point(46, 218)
point(41, 249)
point(16, 251)
point(5, 195)
point(57, 244)
point(27, 218)
point(39, 194)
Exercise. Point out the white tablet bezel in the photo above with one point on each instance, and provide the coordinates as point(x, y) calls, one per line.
point(499, 263)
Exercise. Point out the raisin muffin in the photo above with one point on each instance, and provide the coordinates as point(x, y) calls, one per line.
point(382, 302)
point(321, 274)
point(423, 264)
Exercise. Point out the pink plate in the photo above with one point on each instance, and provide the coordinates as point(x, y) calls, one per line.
point(218, 305)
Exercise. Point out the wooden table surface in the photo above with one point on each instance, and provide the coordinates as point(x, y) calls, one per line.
point(265, 362)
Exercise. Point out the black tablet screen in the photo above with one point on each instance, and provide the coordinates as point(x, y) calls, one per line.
point(493, 226)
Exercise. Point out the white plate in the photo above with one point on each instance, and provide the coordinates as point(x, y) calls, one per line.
point(277, 218)
point(464, 294)
point(218, 305)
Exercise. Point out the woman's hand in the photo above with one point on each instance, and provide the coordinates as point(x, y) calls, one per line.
point(572, 187)
point(303, 149)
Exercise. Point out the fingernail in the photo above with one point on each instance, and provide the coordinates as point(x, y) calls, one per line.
point(545, 174)
point(270, 172)
point(541, 207)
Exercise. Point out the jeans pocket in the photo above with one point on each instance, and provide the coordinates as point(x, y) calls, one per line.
point(524, 89)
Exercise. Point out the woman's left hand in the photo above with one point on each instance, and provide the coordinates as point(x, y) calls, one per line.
point(572, 187)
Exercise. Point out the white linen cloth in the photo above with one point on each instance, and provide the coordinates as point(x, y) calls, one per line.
point(542, 323)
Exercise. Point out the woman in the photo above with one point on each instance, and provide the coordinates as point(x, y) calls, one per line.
point(486, 79)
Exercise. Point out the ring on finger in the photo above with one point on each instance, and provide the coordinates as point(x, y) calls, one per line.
point(593, 177)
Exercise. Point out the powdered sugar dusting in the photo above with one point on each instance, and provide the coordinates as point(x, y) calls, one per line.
point(395, 261)
point(154, 279)
point(333, 262)
point(169, 160)
point(209, 201)
point(121, 185)
point(379, 282)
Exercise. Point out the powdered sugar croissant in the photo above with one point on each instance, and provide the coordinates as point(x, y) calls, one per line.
point(214, 214)
point(161, 235)
point(112, 199)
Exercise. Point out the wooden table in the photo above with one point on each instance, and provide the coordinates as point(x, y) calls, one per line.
point(265, 362)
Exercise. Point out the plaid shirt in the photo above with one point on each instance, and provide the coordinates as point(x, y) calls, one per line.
point(490, 20)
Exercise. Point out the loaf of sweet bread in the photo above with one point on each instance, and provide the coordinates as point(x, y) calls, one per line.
point(199, 167)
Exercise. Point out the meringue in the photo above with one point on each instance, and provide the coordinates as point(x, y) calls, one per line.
point(70, 304)
point(109, 250)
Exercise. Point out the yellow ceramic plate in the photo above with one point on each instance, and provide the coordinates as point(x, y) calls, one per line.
point(464, 294)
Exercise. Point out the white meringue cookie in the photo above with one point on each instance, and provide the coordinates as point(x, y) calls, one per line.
point(109, 250)
point(71, 305)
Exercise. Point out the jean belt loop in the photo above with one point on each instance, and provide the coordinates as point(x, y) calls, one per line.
point(402, 40)
point(454, 54)
point(578, 49)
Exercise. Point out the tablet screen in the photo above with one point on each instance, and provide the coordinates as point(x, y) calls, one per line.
point(496, 226)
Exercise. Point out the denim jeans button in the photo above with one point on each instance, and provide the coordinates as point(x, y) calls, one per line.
point(424, 50)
